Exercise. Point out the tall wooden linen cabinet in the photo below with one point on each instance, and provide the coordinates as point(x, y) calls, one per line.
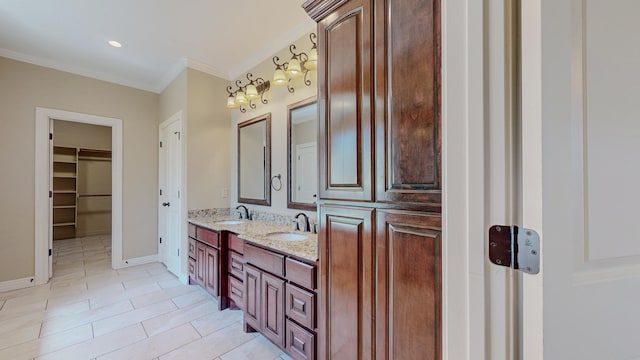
point(380, 179)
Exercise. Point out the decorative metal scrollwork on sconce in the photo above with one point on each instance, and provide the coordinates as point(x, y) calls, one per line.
point(245, 95)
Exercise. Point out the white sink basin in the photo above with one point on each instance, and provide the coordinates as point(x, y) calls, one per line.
point(286, 236)
point(229, 222)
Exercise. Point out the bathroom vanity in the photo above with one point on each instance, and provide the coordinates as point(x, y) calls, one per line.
point(267, 271)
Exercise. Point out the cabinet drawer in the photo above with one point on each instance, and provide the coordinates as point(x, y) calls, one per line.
point(208, 236)
point(192, 248)
point(264, 259)
point(236, 292)
point(236, 265)
point(301, 273)
point(192, 271)
point(236, 244)
point(301, 344)
point(192, 231)
point(301, 305)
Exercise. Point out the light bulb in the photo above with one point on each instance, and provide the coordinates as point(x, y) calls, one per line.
point(279, 77)
point(312, 63)
point(231, 103)
point(241, 99)
point(294, 70)
point(252, 92)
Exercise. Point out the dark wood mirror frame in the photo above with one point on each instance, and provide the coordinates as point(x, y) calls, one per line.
point(267, 161)
point(292, 204)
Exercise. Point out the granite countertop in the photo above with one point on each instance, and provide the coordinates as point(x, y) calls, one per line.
point(256, 232)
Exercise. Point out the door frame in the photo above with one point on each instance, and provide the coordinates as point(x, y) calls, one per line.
point(182, 209)
point(42, 186)
point(463, 176)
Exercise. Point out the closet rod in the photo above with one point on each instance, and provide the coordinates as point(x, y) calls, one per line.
point(91, 195)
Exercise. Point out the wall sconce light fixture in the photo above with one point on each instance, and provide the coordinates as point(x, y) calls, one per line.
point(298, 66)
point(245, 94)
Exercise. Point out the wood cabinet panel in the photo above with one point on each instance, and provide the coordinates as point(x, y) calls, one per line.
point(236, 265)
point(272, 299)
point(344, 101)
point(192, 231)
point(201, 264)
point(345, 311)
point(301, 273)
point(236, 292)
point(408, 124)
point(300, 342)
point(409, 285)
point(236, 244)
point(192, 270)
point(192, 248)
point(208, 236)
point(301, 306)
point(264, 259)
point(252, 280)
point(212, 279)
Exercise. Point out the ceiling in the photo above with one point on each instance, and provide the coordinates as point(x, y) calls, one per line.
point(160, 37)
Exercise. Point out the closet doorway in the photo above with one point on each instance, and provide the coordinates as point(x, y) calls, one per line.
point(81, 179)
point(87, 216)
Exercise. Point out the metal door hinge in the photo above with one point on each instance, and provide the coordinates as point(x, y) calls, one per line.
point(50, 136)
point(50, 252)
point(50, 193)
point(160, 240)
point(160, 143)
point(514, 247)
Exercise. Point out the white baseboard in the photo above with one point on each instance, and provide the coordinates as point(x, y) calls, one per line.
point(17, 284)
point(138, 261)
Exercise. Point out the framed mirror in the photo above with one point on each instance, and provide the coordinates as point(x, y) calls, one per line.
point(302, 150)
point(254, 160)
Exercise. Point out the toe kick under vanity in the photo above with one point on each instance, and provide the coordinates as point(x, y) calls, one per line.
point(266, 270)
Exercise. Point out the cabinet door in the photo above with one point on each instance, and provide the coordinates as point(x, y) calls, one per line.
point(409, 285)
point(345, 306)
point(252, 277)
point(273, 308)
point(212, 280)
point(201, 264)
point(408, 125)
point(344, 102)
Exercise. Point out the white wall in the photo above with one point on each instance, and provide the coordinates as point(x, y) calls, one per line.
point(23, 88)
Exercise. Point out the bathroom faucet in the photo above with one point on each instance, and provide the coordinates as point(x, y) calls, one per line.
point(307, 225)
point(246, 211)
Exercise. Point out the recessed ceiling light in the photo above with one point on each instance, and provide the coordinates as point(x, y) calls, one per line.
point(115, 43)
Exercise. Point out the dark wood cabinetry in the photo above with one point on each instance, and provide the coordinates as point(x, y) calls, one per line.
point(408, 286)
point(380, 220)
point(205, 262)
point(252, 309)
point(272, 302)
point(277, 304)
point(346, 266)
point(344, 103)
point(236, 272)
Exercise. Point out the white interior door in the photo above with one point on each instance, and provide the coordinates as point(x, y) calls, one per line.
point(170, 185)
point(50, 227)
point(306, 173)
point(581, 141)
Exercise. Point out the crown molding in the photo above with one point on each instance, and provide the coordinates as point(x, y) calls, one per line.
point(56, 65)
point(273, 47)
point(200, 66)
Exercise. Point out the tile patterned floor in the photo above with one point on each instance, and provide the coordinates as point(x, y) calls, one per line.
point(89, 311)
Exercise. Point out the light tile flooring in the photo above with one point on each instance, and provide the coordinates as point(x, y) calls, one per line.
point(89, 311)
